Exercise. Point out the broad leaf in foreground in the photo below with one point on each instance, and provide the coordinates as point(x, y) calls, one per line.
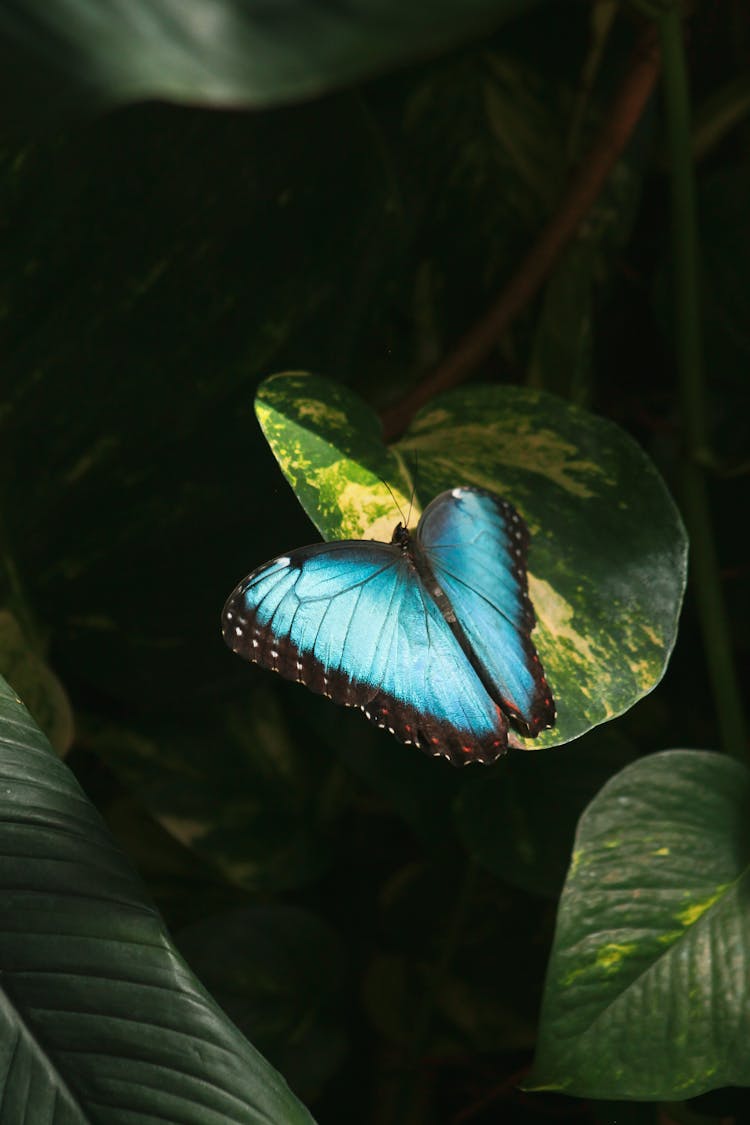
point(607, 562)
point(100, 1018)
point(28, 673)
point(647, 992)
point(227, 52)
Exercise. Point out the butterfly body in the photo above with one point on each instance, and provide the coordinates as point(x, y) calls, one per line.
point(428, 635)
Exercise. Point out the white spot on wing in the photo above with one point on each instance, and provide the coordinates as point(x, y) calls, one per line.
point(284, 561)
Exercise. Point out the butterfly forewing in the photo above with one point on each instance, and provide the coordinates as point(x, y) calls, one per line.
point(475, 545)
point(352, 621)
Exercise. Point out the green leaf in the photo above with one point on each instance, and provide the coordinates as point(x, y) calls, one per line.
point(101, 1018)
point(608, 553)
point(646, 992)
point(31, 677)
point(329, 445)
point(231, 52)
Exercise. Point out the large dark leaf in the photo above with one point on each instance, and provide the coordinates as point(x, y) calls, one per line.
point(29, 675)
point(101, 1018)
point(646, 993)
point(227, 52)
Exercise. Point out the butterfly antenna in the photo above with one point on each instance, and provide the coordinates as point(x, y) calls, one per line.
point(395, 501)
point(413, 487)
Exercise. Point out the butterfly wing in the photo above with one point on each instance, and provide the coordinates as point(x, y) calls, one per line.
point(352, 621)
point(476, 546)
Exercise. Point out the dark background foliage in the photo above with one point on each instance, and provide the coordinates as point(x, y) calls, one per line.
point(159, 261)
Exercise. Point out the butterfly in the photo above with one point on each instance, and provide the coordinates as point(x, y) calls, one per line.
point(428, 635)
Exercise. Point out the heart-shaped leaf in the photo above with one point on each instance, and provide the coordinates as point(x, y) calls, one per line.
point(607, 563)
point(646, 993)
point(101, 1018)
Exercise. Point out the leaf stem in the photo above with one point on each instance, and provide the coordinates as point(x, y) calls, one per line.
point(689, 355)
point(582, 192)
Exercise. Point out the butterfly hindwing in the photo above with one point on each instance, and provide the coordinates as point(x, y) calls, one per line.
point(476, 545)
point(353, 621)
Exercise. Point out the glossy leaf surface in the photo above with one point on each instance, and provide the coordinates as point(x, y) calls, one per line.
point(230, 52)
point(101, 1020)
point(30, 676)
point(608, 550)
point(647, 988)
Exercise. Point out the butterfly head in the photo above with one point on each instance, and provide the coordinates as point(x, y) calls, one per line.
point(401, 537)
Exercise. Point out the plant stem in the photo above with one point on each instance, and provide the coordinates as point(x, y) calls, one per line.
point(688, 347)
point(582, 192)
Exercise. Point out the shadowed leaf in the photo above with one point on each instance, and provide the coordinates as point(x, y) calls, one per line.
point(227, 52)
point(100, 1018)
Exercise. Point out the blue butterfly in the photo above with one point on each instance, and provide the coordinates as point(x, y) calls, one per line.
point(428, 635)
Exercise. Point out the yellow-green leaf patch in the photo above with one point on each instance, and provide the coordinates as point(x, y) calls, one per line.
point(647, 986)
point(607, 563)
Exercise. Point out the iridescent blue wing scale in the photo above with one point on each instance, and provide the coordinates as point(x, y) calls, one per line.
point(353, 621)
point(475, 545)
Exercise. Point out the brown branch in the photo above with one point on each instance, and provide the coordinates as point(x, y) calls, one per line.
point(581, 194)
